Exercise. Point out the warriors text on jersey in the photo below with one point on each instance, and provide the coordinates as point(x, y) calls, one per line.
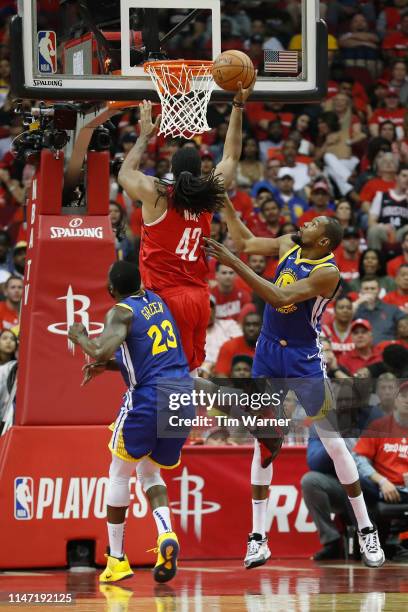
point(152, 348)
point(298, 324)
point(171, 251)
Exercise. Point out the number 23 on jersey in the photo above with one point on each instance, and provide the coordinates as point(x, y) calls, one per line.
point(163, 337)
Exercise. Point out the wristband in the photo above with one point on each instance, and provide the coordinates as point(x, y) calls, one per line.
point(238, 104)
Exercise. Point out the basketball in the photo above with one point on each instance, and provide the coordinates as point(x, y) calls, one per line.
point(232, 67)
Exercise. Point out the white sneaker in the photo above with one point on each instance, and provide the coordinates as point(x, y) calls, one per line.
point(370, 547)
point(257, 551)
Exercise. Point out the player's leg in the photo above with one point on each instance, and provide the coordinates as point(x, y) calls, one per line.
point(155, 489)
point(261, 477)
point(118, 498)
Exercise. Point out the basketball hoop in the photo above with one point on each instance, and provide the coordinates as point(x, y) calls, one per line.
point(184, 88)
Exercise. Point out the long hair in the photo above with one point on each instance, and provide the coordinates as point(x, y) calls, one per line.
point(190, 191)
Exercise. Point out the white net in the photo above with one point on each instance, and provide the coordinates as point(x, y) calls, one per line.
point(185, 91)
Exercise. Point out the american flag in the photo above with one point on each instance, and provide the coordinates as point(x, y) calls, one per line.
point(281, 61)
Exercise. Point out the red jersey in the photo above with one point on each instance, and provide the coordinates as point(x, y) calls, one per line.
point(339, 345)
point(229, 305)
point(387, 450)
point(348, 267)
point(235, 346)
point(380, 115)
point(397, 299)
point(394, 264)
point(372, 186)
point(353, 361)
point(171, 253)
point(8, 317)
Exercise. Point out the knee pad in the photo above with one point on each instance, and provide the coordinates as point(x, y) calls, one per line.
point(118, 494)
point(259, 475)
point(149, 474)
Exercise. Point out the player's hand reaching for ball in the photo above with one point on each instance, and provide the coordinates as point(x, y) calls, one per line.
point(242, 95)
point(75, 331)
point(219, 251)
point(91, 370)
point(147, 127)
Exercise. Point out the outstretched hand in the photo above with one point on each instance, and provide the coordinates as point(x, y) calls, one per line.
point(147, 127)
point(242, 95)
point(91, 370)
point(219, 251)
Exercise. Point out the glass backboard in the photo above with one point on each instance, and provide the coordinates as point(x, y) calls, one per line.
point(95, 49)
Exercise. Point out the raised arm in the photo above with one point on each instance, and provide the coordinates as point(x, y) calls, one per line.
point(137, 185)
point(322, 282)
point(103, 348)
point(233, 140)
point(244, 239)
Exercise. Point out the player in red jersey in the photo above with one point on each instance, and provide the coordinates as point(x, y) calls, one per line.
point(176, 216)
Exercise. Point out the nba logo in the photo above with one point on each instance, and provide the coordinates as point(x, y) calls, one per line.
point(47, 52)
point(23, 498)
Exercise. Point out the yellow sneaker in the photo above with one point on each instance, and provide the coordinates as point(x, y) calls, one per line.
point(116, 569)
point(167, 552)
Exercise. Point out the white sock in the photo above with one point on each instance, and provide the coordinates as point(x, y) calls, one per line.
point(360, 511)
point(259, 516)
point(162, 517)
point(116, 534)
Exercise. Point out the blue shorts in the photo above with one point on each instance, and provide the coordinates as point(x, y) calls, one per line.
point(300, 369)
point(135, 431)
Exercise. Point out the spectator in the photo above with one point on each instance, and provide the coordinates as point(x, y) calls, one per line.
point(299, 170)
point(8, 346)
point(386, 391)
point(272, 168)
point(229, 300)
point(322, 491)
point(345, 214)
point(241, 200)
point(273, 139)
point(301, 124)
point(336, 152)
point(388, 215)
point(236, 15)
point(392, 111)
point(359, 44)
point(10, 308)
point(243, 345)
point(319, 203)
point(399, 79)
point(120, 227)
point(394, 265)
point(207, 163)
point(250, 168)
point(268, 222)
point(348, 254)
point(219, 331)
point(399, 297)
point(396, 43)
point(372, 265)
point(364, 352)
point(382, 317)
point(389, 18)
point(19, 259)
point(241, 366)
point(401, 337)
point(385, 179)
point(381, 457)
point(292, 205)
point(339, 331)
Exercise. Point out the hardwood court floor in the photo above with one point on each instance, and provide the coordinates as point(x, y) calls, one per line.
point(219, 586)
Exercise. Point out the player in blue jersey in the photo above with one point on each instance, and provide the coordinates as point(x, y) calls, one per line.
point(288, 348)
point(140, 339)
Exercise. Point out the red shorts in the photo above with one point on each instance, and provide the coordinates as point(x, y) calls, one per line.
point(190, 307)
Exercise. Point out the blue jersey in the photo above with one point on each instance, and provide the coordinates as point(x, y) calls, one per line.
point(298, 324)
point(152, 348)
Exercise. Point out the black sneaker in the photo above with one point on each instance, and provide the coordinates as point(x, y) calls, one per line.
point(332, 550)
